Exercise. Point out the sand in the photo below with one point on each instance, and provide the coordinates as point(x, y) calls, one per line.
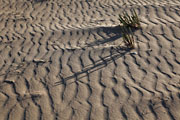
point(62, 60)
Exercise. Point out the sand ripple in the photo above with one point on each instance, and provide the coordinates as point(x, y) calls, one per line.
point(62, 60)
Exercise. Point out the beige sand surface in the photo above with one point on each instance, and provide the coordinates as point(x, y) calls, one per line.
point(60, 60)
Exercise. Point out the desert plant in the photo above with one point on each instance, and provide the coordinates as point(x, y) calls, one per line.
point(130, 21)
point(128, 38)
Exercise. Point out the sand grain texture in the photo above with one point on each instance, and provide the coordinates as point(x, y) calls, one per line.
point(62, 60)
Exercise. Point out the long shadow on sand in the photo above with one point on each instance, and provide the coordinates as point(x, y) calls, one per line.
point(108, 34)
point(113, 34)
point(97, 65)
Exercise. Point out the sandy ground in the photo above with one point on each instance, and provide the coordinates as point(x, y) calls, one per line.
point(61, 60)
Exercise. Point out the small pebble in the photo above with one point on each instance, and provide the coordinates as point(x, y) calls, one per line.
point(133, 53)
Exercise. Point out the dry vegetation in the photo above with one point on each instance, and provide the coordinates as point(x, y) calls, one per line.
point(130, 21)
point(128, 38)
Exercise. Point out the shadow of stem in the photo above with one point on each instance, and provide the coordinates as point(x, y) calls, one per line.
point(99, 64)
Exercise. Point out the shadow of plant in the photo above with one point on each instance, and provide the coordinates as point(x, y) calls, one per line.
point(116, 53)
point(113, 33)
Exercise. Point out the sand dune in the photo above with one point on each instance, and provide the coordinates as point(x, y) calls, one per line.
point(62, 60)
